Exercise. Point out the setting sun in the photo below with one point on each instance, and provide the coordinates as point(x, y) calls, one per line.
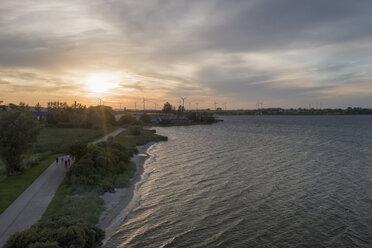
point(99, 83)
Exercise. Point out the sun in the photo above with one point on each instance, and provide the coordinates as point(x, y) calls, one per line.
point(99, 83)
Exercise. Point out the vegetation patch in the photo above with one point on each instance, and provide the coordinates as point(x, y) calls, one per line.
point(77, 204)
point(12, 186)
point(123, 180)
point(130, 141)
point(60, 139)
point(57, 232)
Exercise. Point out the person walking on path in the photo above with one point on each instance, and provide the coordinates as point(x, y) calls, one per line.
point(66, 163)
point(62, 160)
point(57, 160)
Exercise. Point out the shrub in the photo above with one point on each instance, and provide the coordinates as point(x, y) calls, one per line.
point(96, 170)
point(138, 123)
point(126, 119)
point(59, 231)
point(78, 150)
point(122, 181)
point(145, 118)
point(134, 130)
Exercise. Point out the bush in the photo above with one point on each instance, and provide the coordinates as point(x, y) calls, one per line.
point(87, 207)
point(126, 119)
point(78, 150)
point(96, 170)
point(134, 130)
point(59, 231)
point(146, 119)
point(137, 123)
point(122, 181)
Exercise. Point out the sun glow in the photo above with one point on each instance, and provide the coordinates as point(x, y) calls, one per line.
point(100, 83)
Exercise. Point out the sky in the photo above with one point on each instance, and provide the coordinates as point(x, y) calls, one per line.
point(283, 53)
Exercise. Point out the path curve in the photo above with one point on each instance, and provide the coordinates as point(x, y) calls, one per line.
point(28, 208)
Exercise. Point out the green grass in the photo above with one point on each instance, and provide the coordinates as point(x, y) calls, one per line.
point(57, 204)
point(89, 205)
point(51, 142)
point(123, 180)
point(59, 139)
point(131, 141)
point(12, 186)
point(2, 170)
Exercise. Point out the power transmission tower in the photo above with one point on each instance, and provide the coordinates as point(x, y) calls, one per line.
point(100, 101)
point(215, 105)
point(259, 105)
point(197, 106)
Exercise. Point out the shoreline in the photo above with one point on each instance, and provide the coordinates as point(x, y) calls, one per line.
point(119, 204)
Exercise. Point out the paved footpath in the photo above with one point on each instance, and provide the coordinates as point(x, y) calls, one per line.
point(28, 208)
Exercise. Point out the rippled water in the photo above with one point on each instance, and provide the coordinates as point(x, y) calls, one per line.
point(256, 181)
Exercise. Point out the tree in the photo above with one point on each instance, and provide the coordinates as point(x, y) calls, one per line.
point(17, 131)
point(38, 107)
point(180, 110)
point(78, 150)
point(145, 118)
point(126, 119)
point(167, 108)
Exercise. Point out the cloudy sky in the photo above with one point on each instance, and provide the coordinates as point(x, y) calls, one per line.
point(284, 53)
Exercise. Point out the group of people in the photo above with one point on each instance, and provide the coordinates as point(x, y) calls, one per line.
point(66, 160)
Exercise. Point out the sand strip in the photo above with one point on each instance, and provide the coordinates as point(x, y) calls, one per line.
point(119, 204)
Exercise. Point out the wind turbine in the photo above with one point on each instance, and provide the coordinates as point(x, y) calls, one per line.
point(183, 101)
point(144, 103)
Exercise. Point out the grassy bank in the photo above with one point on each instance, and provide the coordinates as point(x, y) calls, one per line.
point(77, 201)
point(2, 170)
point(51, 143)
point(11, 187)
point(58, 140)
point(65, 200)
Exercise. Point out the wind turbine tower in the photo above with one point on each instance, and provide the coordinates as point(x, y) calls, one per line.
point(183, 101)
point(144, 103)
point(224, 105)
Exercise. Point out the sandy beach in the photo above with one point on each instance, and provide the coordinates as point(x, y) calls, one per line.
point(119, 204)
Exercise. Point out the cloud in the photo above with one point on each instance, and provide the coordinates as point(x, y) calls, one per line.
point(4, 82)
point(287, 51)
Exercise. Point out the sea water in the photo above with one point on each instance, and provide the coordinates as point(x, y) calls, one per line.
point(256, 181)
